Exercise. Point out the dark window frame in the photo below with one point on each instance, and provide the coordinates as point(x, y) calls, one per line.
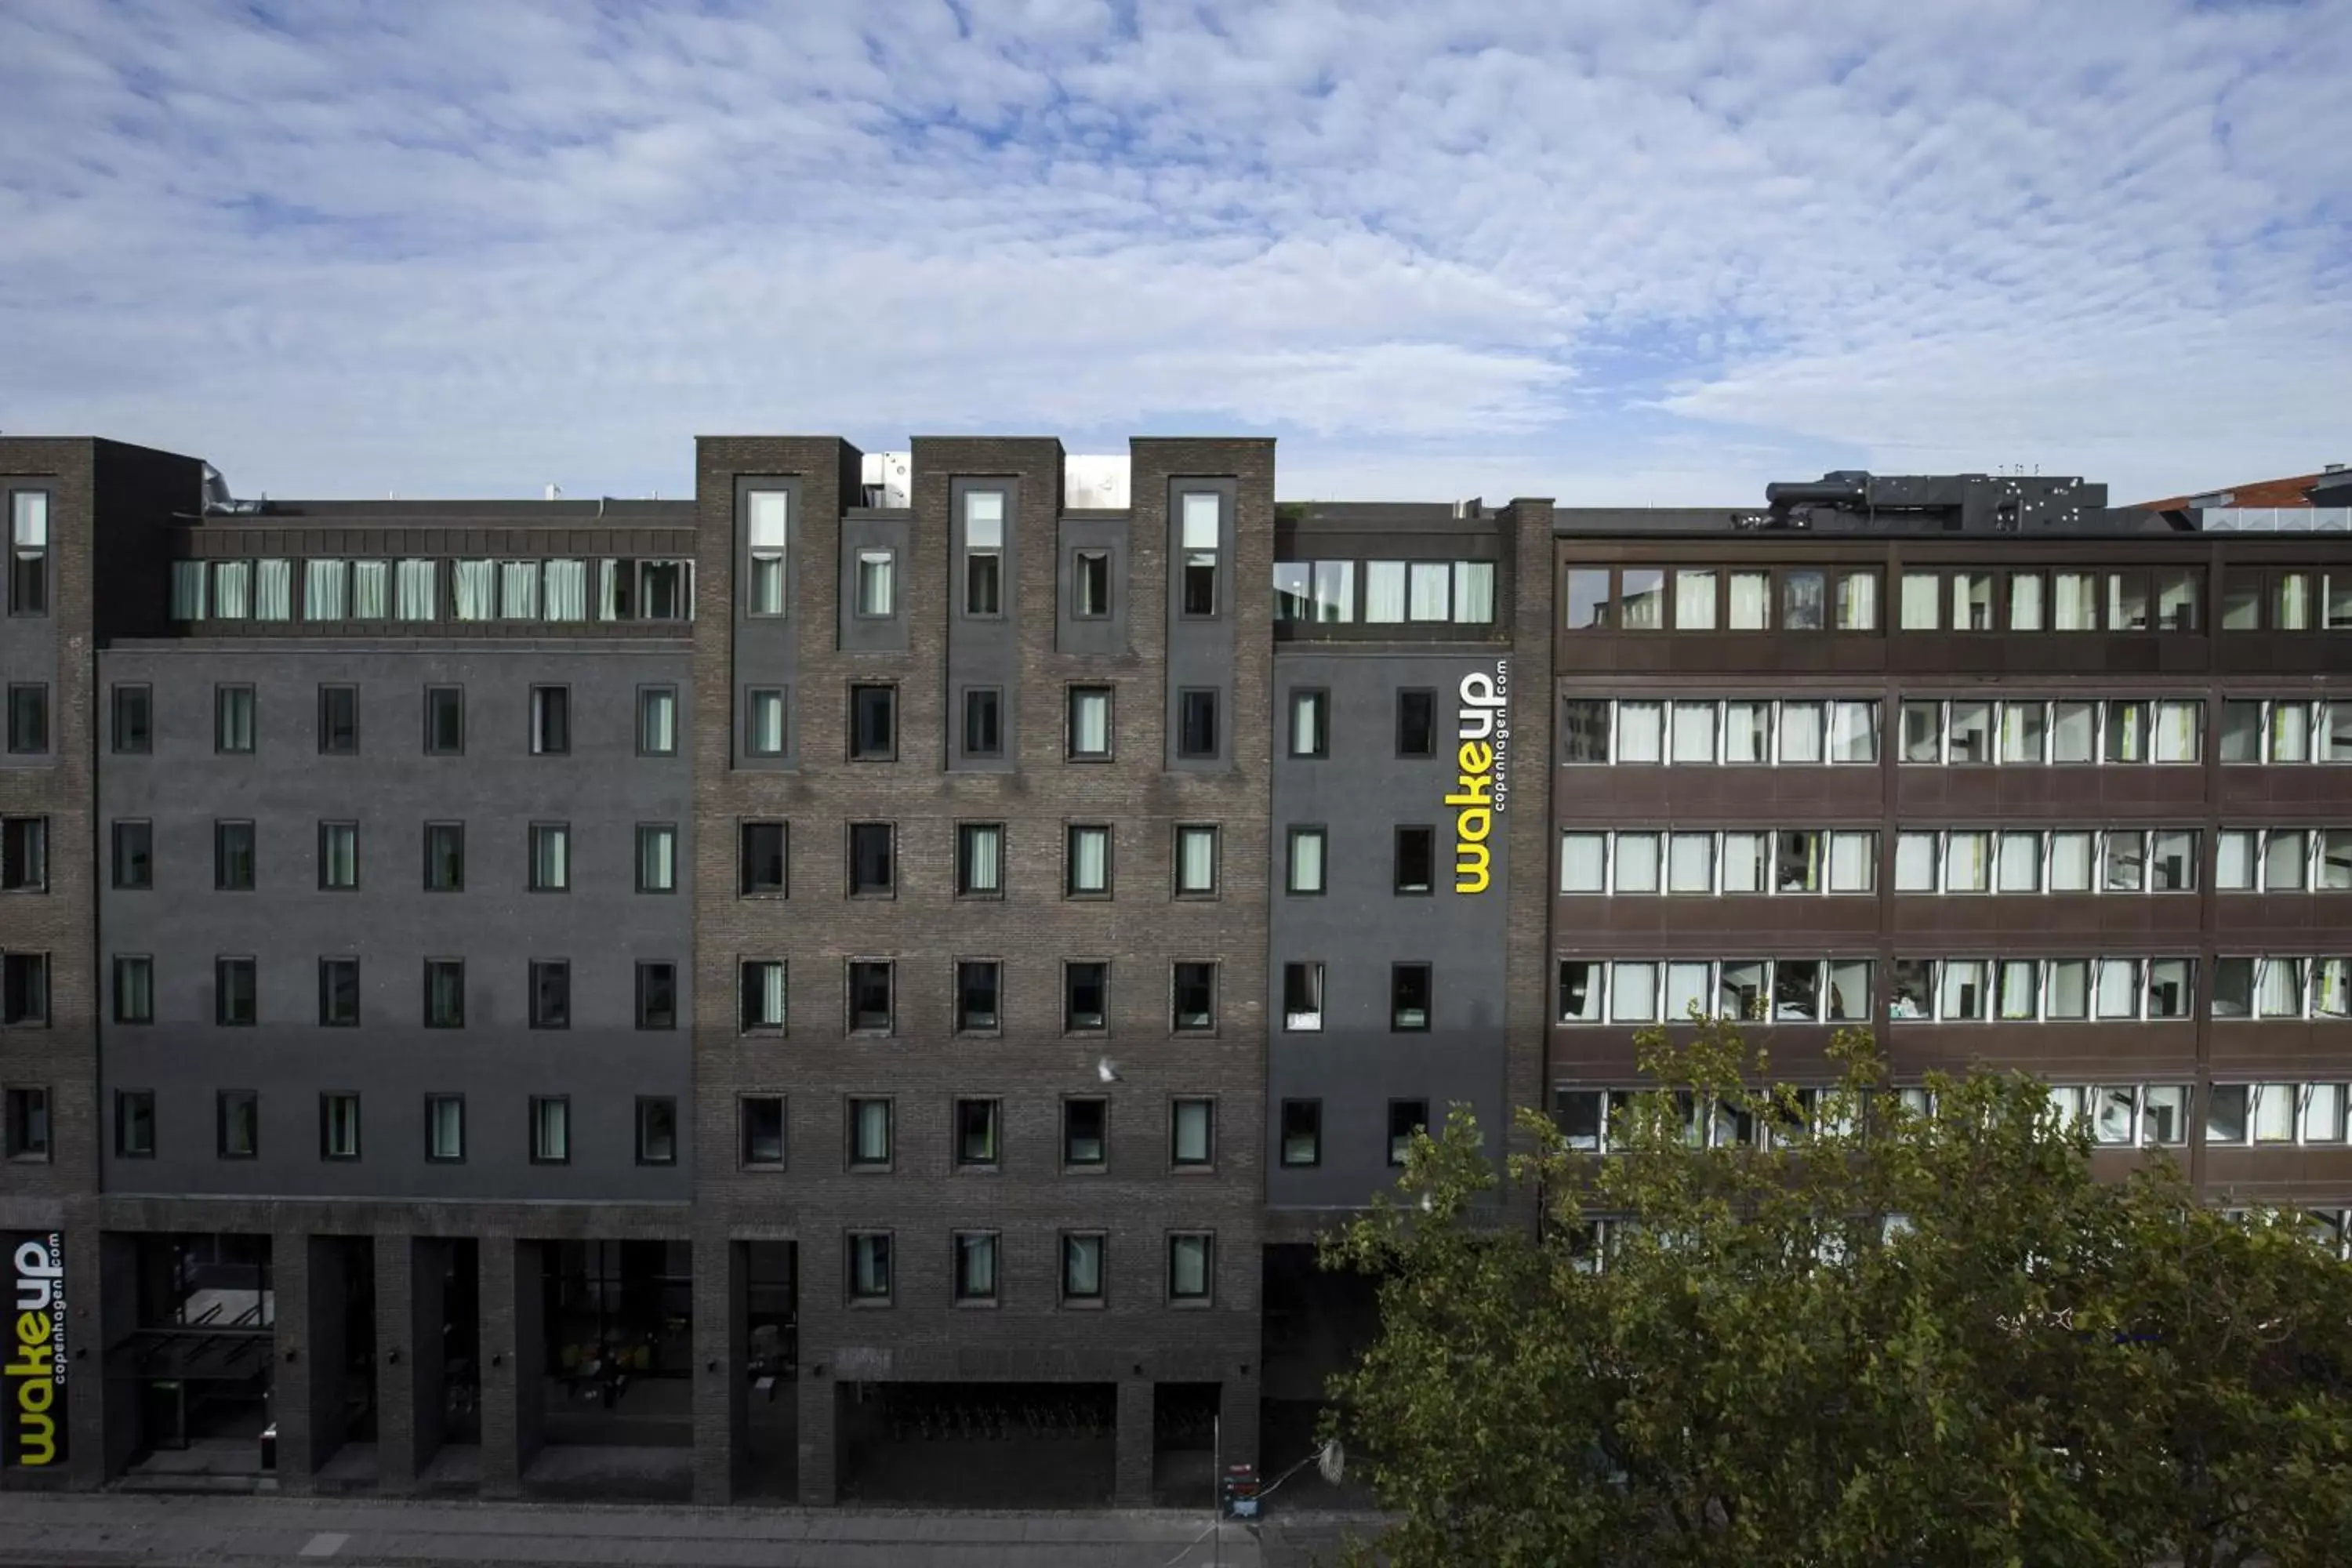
point(1070, 890)
point(1397, 882)
point(24, 854)
point(1317, 698)
point(983, 702)
point(440, 699)
point(888, 1294)
point(889, 975)
point(862, 833)
point(745, 1128)
point(647, 696)
point(966, 835)
point(223, 694)
point(433, 1099)
point(531, 1132)
point(28, 1107)
point(650, 974)
point(1080, 558)
point(28, 719)
point(222, 970)
point(851, 1160)
point(744, 1024)
point(1176, 979)
point(1099, 1297)
point(143, 830)
point(1068, 1134)
point(1309, 1110)
point(537, 972)
point(223, 1099)
point(328, 1098)
point(637, 840)
point(434, 967)
point(115, 973)
point(325, 827)
point(1206, 1295)
point(335, 739)
point(458, 829)
point(548, 702)
point(1399, 975)
point(1176, 1160)
point(224, 831)
point(327, 965)
point(1069, 1012)
point(648, 1103)
point(1290, 887)
point(751, 698)
point(1070, 695)
point(130, 740)
point(1418, 1122)
point(746, 885)
point(1427, 698)
point(1176, 887)
point(29, 564)
point(531, 838)
point(992, 1109)
point(127, 1103)
point(863, 694)
point(969, 968)
point(1190, 701)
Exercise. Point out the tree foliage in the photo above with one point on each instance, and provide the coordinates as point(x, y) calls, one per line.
point(1881, 1337)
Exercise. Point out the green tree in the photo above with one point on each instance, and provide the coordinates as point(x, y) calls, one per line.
point(1853, 1334)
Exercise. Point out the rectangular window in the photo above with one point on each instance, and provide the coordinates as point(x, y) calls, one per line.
point(445, 856)
point(134, 1123)
point(233, 856)
point(234, 986)
point(869, 1268)
point(976, 1132)
point(1200, 540)
point(28, 552)
point(869, 1135)
point(550, 720)
point(134, 989)
point(978, 983)
point(1310, 723)
point(237, 1123)
point(1192, 1132)
point(763, 722)
point(1803, 601)
point(657, 721)
point(1083, 1268)
point(657, 857)
point(873, 723)
point(869, 996)
point(339, 1125)
point(1693, 731)
point(1302, 997)
point(762, 998)
point(551, 994)
point(1586, 596)
point(28, 1122)
point(444, 1129)
point(1196, 723)
point(878, 584)
point(983, 729)
point(1086, 996)
point(1195, 997)
point(1196, 862)
point(1920, 602)
point(1090, 584)
point(445, 992)
point(551, 1129)
point(872, 869)
point(339, 993)
point(976, 1267)
point(980, 860)
point(445, 720)
point(1642, 733)
point(1302, 1133)
point(657, 1130)
point(1416, 859)
point(983, 552)
point(1407, 1119)
point(1416, 723)
point(766, 517)
point(1473, 593)
point(1190, 1265)
point(656, 997)
point(760, 1123)
point(1857, 608)
point(761, 870)
point(1695, 599)
point(188, 581)
point(25, 854)
point(551, 857)
point(1305, 860)
point(1089, 862)
point(1428, 582)
point(1584, 730)
point(233, 718)
point(1089, 723)
point(1085, 1133)
point(134, 720)
point(1584, 863)
point(1409, 997)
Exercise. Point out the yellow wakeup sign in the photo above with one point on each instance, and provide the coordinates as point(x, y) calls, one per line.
point(1482, 789)
point(35, 1367)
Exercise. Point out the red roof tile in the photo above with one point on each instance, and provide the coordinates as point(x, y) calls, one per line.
point(2261, 492)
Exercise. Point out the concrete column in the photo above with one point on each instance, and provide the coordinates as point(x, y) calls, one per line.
point(514, 1361)
point(306, 1387)
point(1237, 1418)
point(428, 1346)
point(409, 1272)
point(102, 1414)
point(721, 1274)
point(1131, 1478)
point(819, 1442)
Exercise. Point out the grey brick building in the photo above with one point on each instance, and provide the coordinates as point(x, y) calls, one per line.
point(868, 981)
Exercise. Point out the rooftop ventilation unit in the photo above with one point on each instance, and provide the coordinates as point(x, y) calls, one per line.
point(887, 478)
point(218, 503)
point(1096, 483)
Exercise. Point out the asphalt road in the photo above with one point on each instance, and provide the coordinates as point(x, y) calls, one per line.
point(147, 1531)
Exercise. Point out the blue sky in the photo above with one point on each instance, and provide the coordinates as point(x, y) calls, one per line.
point(1612, 252)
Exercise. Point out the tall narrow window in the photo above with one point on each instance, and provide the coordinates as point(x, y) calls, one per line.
point(1200, 543)
point(869, 1268)
point(762, 1000)
point(339, 1126)
point(983, 734)
point(445, 992)
point(761, 871)
point(656, 1130)
point(134, 989)
point(1305, 873)
point(550, 720)
point(873, 872)
point(1474, 592)
point(1089, 737)
point(445, 720)
point(658, 721)
point(980, 860)
point(445, 856)
point(764, 523)
point(1088, 870)
point(233, 856)
point(134, 1123)
point(339, 857)
point(760, 1125)
point(445, 1128)
point(551, 1129)
point(976, 1267)
point(1310, 723)
point(1085, 1133)
point(339, 993)
point(1195, 997)
point(1430, 581)
point(188, 596)
point(134, 719)
point(1416, 723)
point(878, 589)
point(1407, 1118)
point(1409, 997)
point(1416, 859)
point(28, 1122)
point(657, 857)
point(1086, 996)
point(983, 552)
point(234, 992)
point(873, 723)
point(1090, 585)
point(763, 722)
point(1189, 1265)
point(1196, 862)
point(869, 1135)
point(551, 994)
point(25, 854)
point(1302, 1133)
point(1196, 723)
point(1302, 997)
point(656, 997)
point(869, 996)
point(233, 719)
point(1192, 1132)
point(978, 983)
point(134, 855)
point(551, 857)
point(28, 552)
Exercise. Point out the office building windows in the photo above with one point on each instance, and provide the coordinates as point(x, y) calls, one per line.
point(339, 1125)
point(134, 989)
point(983, 733)
point(339, 993)
point(445, 720)
point(759, 1120)
point(551, 994)
point(1089, 723)
point(237, 1123)
point(1190, 1266)
point(1304, 862)
point(870, 996)
point(977, 1126)
point(869, 1269)
point(869, 1135)
point(550, 720)
point(980, 860)
point(445, 856)
point(134, 720)
point(976, 1267)
point(1085, 996)
point(761, 995)
point(551, 857)
point(978, 983)
point(1416, 723)
point(134, 1123)
point(1087, 862)
point(656, 997)
point(236, 988)
point(656, 1130)
point(763, 722)
point(134, 855)
point(551, 1129)
point(445, 1128)
point(25, 854)
point(657, 864)
point(873, 723)
point(657, 721)
point(445, 992)
point(1196, 862)
point(233, 856)
point(27, 1129)
point(339, 857)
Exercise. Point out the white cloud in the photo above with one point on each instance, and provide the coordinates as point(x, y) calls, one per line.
point(1612, 252)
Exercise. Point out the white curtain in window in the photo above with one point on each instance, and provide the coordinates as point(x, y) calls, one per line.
point(1090, 859)
point(1307, 723)
point(1801, 732)
point(1474, 592)
point(1640, 731)
point(1089, 722)
point(1082, 1257)
point(1430, 581)
point(1854, 731)
point(1746, 732)
point(2020, 863)
point(1919, 600)
point(550, 854)
point(1961, 989)
point(873, 1130)
point(1690, 863)
point(656, 859)
point(2286, 853)
point(1751, 602)
point(1743, 862)
point(1637, 863)
point(370, 590)
point(608, 590)
point(877, 591)
point(1688, 985)
point(2273, 1113)
point(554, 1121)
point(1695, 599)
point(416, 600)
point(2331, 987)
point(768, 723)
point(519, 590)
point(449, 1128)
point(2292, 603)
point(1335, 591)
point(1187, 1265)
point(474, 589)
point(2022, 732)
point(2070, 862)
point(2278, 988)
point(771, 982)
point(323, 584)
point(1383, 591)
point(657, 721)
point(2019, 988)
point(2076, 601)
point(1858, 602)
point(187, 590)
point(1583, 862)
point(1849, 990)
point(273, 590)
point(2115, 994)
point(1307, 864)
point(1854, 862)
point(1197, 862)
point(982, 845)
point(1967, 863)
point(2025, 600)
point(232, 590)
point(2177, 724)
point(565, 596)
point(1633, 993)
point(1200, 524)
point(1693, 731)
point(1915, 863)
point(2322, 1112)
point(2233, 860)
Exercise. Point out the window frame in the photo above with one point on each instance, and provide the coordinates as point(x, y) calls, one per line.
point(1205, 698)
point(861, 694)
point(222, 970)
point(534, 1145)
point(655, 697)
point(746, 1106)
point(437, 696)
point(143, 696)
point(223, 1099)
point(439, 968)
point(433, 1099)
point(550, 716)
point(330, 966)
point(329, 1099)
point(1291, 838)
point(1177, 1105)
point(536, 971)
point(648, 1103)
point(1309, 1110)
point(889, 975)
point(649, 972)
